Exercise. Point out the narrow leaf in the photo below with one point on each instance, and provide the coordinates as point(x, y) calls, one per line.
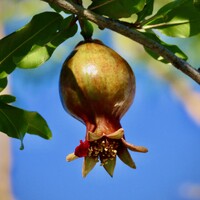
point(147, 10)
point(18, 44)
point(16, 122)
point(67, 29)
point(12, 121)
point(171, 47)
point(176, 19)
point(117, 8)
point(37, 125)
point(41, 53)
point(33, 44)
point(7, 98)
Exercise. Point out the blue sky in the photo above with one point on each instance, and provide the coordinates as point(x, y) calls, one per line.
point(157, 120)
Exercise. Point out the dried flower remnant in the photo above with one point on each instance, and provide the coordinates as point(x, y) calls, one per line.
point(97, 87)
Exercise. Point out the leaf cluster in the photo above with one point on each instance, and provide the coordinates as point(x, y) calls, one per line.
point(179, 18)
point(33, 44)
point(29, 47)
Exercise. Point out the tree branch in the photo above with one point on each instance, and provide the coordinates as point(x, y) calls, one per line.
point(133, 34)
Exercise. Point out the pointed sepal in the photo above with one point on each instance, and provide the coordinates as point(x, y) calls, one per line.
point(125, 157)
point(93, 136)
point(109, 166)
point(117, 134)
point(133, 147)
point(88, 165)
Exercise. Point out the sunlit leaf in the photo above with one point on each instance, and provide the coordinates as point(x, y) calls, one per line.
point(41, 53)
point(16, 122)
point(19, 43)
point(117, 8)
point(177, 19)
point(37, 125)
point(33, 44)
point(147, 10)
point(173, 48)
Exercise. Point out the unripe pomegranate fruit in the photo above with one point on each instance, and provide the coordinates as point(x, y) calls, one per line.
point(97, 86)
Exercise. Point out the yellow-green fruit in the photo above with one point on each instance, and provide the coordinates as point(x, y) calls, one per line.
point(97, 86)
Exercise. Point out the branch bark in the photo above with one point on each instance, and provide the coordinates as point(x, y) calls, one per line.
point(133, 34)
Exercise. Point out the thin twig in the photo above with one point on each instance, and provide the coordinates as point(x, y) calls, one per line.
point(133, 34)
point(100, 5)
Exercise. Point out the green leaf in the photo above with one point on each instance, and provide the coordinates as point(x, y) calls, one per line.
point(41, 53)
point(37, 125)
point(7, 98)
point(147, 10)
point(171, 47)
point(32, 45)
point(176, 19)
point(197, 4)
point(117, 8)
point(3, 83)
point(55, 7)
point(67, 29)
point(12, 122)
point(16, 122)
point(18, 44)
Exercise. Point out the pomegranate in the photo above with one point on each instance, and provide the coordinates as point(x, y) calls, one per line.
point(97, 86)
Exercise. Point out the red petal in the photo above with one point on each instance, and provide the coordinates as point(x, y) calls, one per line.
point(82, 149)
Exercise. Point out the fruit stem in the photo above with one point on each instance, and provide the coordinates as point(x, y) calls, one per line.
point(85, 25)
point(86, 30)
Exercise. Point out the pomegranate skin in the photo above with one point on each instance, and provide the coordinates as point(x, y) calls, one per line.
point(97, 86)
